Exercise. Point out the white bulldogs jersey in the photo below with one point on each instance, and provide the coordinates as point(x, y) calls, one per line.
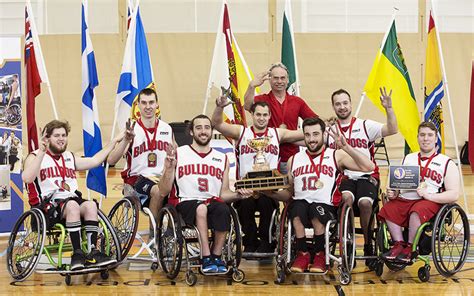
point(137, 157)
point(199, 177)
point(361, 137)
point(305, 177)
point(246, 155)
point(434, 176)
point(50, 181)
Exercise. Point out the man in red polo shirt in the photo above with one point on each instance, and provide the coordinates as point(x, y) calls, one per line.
point(285, 108)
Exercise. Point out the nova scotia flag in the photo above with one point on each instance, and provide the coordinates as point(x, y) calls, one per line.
point(90, 116)
point(137, 72)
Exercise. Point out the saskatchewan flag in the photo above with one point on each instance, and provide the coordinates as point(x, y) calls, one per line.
point(288, 52)
point(434, 88)
point(389, 70)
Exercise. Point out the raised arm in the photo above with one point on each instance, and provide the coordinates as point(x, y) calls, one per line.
point(86, 163)
point(217, 120)
point(169, 171)
point(451, 184)
point(390, 128)
point(290, 136)
point(32, 165)
point(123, 145)
point(250, 93)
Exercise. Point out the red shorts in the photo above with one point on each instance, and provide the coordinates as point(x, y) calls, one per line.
point(398, 210)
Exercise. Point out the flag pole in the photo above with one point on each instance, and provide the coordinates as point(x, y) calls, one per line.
point(384, 40)
point(453, 128)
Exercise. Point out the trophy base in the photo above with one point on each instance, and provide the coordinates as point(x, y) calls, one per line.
point(263, 180)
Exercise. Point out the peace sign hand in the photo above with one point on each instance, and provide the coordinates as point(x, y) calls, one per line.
point(339, 139)
point(44, 141)
point(170, 160)
point(129, 130)
point(223, 101)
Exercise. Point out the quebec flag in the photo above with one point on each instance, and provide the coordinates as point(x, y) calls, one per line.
point(90, 115)
point(137, 72)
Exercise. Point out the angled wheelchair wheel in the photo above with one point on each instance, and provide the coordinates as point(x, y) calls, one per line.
point(25, 244)
point(13, 114)
point(347, 244)
point(107, 239)
point(233, 246)
point(124, 217)
point(285, 253)
point(450, 239)
point(169, 241)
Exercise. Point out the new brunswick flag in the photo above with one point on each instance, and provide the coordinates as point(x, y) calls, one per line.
point(389, 70)
point(229, 71)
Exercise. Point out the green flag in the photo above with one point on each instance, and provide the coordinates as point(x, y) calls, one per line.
point(288, 54)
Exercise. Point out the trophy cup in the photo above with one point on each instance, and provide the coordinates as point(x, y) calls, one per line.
point(262, 177)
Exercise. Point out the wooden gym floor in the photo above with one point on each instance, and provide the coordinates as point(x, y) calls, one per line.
point(137, 278)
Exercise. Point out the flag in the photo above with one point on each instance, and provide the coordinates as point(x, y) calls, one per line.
point(288, 50)
point(95, 179)
point(389, 70)
point(434, 87)
point(471, 122)
point(35, 74)
point(136, 74)
point(129, 13)
point(229, 69)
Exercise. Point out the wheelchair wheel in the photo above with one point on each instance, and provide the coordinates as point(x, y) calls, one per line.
point(107, 239)
point(450, 239)
point(233, 247)
point(124, 217)
point(13, 114)
point(347, 238)
point(383, 244)
point(284, 259)
point(169, 241)
point(25, 244)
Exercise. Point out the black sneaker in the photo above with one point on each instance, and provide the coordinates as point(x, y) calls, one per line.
point(96, 258)
point(78, 259)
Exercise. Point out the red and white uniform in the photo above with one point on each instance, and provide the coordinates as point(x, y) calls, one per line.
point(199, 176)
point(53, 174)
point(246, 155)
point(137, 157)
point(304, 174)
point(434, 177)
point(361, 135)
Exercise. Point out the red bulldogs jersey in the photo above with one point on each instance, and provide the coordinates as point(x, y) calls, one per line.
point(246, 155)
point(50, 179)
point(305, 177)
point(361, 135)
point(144, 160)
point(198, 176)
point(434, 175)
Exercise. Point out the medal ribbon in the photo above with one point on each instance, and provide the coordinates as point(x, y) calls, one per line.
point(62, 170)
point(350, 128)
point(150, 143)
point(425, 168)
point(318, 172)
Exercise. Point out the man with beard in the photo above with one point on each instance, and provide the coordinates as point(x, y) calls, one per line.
point(145, 150)
point(51, 181)
point(201, 186)
point(314, 176)
point(360, 189)
point(285, 108)
point(253, 240)
point(439, 185)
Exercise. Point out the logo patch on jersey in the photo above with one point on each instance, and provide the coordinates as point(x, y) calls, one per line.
point(356, 130)
point(164, 133)
point(436, 163)
point(216, 159)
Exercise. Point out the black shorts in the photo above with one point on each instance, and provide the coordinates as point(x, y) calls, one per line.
point(308, 211)
point(218, 214)
point(54, 212)
point(366, 188)
point(143, 187)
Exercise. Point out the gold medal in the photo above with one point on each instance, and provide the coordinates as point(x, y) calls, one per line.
point(423, 185)
point(283, 126)
point(151, 159)
point(319, 184)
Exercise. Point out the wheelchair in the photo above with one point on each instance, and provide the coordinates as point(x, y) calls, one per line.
point(124, 216)
point(339, 233)
point(446, 237)
point(32, 238)
point(174, 236)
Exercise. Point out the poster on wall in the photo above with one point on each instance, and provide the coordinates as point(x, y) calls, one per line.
point(11, 150)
